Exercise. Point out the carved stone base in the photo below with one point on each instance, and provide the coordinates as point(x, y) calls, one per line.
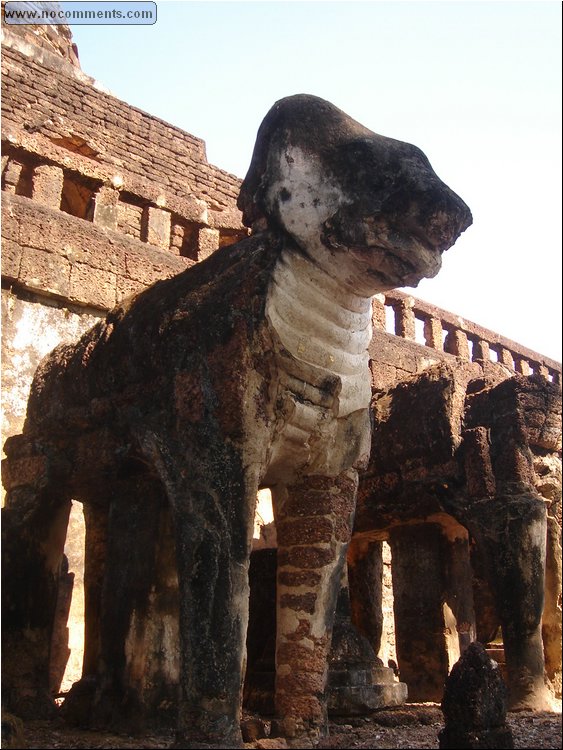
point(379, 691)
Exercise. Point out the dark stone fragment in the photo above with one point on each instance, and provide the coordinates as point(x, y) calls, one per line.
point(474, 703)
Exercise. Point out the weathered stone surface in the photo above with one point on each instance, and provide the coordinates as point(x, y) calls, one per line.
point(509, 523)
point(150, 380)
point(58, 135)
point(358, 683)
point(474, 704)
point(158, 223)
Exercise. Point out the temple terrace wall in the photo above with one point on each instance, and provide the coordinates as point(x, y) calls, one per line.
point(100, 200)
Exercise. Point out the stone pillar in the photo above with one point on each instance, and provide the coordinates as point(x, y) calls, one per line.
point(12, 175)
point(105, 207)
point(156, 227)
point(551, 621)
point(129, 578)
point(60, 651)
point(34, 524)
point(458, 593)
point(522, 366)
point(378, 317)
point(365, 577)
point(47, 185)
point(487, 622)
point(512, 535)
point(505, 358)
point(132, 641)
point(95, 550)
point(207, 242)
point(433, 334)
point(456, 343)
point(481, 350)
point(508, 520)
point(261, 633)
point(404, 319)
point(418, 592)
point(548, 483)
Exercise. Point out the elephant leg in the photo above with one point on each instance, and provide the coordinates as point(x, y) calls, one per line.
point(34, 526)
point(314, 525)
point(512, 535)
point(213, 517)
point(129, 576)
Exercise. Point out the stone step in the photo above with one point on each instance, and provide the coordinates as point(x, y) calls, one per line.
point(360, 676)
point(360, 700)
point(372, 689)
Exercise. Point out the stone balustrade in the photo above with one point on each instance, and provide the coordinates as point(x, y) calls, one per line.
point(423, 323)
point(186, 226)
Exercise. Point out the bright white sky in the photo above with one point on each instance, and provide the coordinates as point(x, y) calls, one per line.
point(476, 85)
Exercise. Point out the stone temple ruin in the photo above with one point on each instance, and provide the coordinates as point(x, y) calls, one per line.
point(463, 482)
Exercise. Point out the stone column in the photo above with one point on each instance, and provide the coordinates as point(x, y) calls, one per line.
point(105, 207)
point(456, 343)
point(551, 623)
point(12, 175)
point(207, 242)
point(378, 317)
point(433, 333)
point(47, 185)
point(365, 578)
point(508, 520)
point(511, 532)
point(34, 525)
point(418, 591)
point(458, 592)
point(59, 642)
point(95, 551)
point(125, 611)
point(156, 224)
point(405, 319)
point(548, 483)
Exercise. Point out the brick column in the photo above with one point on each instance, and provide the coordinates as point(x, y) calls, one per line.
point(314, 524)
